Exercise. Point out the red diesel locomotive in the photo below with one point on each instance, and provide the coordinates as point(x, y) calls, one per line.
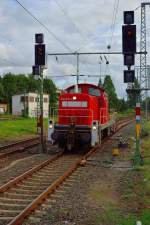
point(83, 117)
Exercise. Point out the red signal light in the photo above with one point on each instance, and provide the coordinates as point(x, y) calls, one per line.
point(40, 52)
point(129, 33)
point(129, 38)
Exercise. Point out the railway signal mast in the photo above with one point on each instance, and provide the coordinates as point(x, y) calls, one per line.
point(37, 71)
point(129, 51)
point(129, 45)
point(144, 70)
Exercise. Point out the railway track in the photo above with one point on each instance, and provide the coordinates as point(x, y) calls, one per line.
point(124, 122)
point(23, 145)
point(18, 147)
point(22, 195)
point(4, 118)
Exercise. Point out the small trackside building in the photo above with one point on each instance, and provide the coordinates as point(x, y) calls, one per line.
point(28, 103)
point(3, 108)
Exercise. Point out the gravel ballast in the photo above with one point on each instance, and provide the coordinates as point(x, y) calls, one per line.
point(92, 191)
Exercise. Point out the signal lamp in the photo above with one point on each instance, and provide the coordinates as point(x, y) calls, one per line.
point(40, 54)
point(36, 70)
point(129, 59)
point(129, 39)
point(39, 38)
point(129, 76)
point(128, 17)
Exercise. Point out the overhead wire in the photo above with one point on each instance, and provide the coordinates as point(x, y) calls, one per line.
point(74, 24)
point(10, 62)
point(76, 27)
point(45, 27)
point(113, 19)
point(70, 18)
point(115, 11)
point(112, 28)
point(116, 6)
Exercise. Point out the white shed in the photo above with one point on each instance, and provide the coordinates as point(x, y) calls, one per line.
point(29, 103)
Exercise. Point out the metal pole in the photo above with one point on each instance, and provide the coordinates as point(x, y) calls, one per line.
point(137, 155)
point(100, 68)
point(77, 68)
point(143, 70)
point(41, 109)
point(24, 102)
point(77, 75)
point(92, 53)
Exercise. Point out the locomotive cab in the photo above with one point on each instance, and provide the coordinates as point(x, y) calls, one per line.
point(80, 116)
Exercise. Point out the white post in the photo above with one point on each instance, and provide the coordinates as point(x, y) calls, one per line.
point(138, 223)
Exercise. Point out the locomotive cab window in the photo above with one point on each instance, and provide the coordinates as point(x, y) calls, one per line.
point(73, 90)
point(74, 104)
point(94, 92)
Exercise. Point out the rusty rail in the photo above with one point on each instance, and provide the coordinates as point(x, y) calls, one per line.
point(8, 185)
point(18, 143)
point(18, 147)
point(41, 198)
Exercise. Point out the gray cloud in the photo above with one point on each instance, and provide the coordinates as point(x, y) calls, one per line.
point(91, 32)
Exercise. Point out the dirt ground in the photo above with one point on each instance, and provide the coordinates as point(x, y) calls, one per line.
point(99, 193)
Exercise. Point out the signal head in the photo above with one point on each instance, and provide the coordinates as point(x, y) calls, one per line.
point(128, 17)
point(39, 38)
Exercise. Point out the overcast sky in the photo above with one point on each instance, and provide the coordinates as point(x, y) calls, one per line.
point(79, 25)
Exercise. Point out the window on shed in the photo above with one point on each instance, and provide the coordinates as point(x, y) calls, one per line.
point(37, 99)
point(94, 92)
point(45, 100)
point(31, 99)
point(23, 98)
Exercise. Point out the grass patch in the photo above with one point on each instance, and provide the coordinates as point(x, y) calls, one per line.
point(127, 113)
point(135, 193)
point(145, 217)
point(112, 217)
point(12, 130)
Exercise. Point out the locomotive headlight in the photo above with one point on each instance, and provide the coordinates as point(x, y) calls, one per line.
point(94, 127)
point(51, 126)
point(74, 98)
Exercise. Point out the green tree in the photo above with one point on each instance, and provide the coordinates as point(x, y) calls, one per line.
point(1, 93)
point(22, 83)
point(122, 105)
point(111, 92)
point(50, 88)
point(12, 84)
point(32, 84)
point(132, 96)
point(10, 87)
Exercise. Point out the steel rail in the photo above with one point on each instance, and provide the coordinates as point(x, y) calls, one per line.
point(124, 123)
point(23, 176)
point(39, 200)
point(17, 143)
point(18, 146)
point(20, 149)
point(42, 197)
